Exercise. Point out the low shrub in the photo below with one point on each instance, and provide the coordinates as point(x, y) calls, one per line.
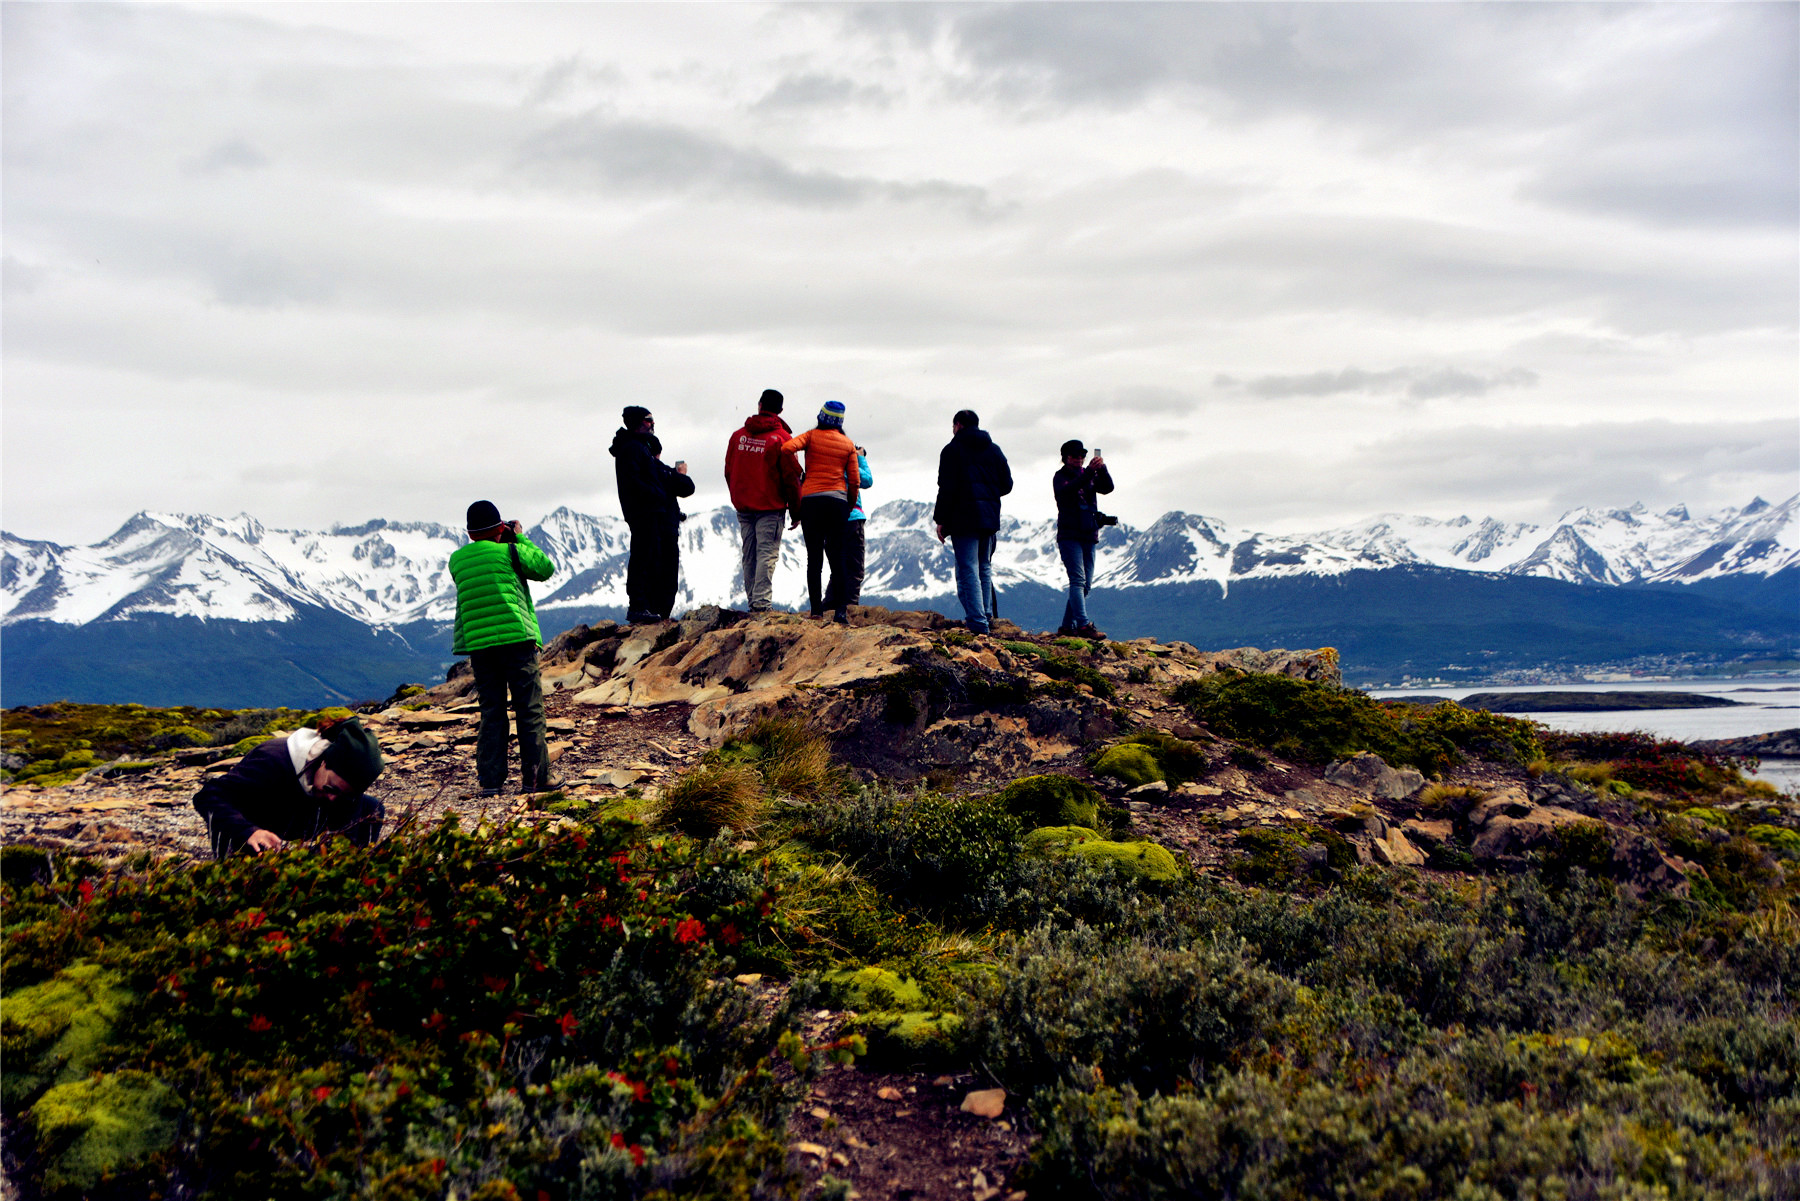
point(1131, 764)
point(517, 1005)
point(1314, 722)
point(949, 856)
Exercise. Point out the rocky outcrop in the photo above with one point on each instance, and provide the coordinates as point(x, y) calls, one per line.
point(1370, 773)
point(903, 694)
point(1507, 825)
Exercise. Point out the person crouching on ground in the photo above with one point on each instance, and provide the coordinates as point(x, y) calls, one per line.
point(972, 477)
point(302, 786)
point(1078, 530)
point(764, 484)
point(649, 492)
point(828, 491)
point(496, 626)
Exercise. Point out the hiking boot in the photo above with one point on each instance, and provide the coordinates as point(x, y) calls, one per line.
point(1088, 631)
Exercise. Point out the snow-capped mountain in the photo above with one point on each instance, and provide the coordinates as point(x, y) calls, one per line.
point(389, 573)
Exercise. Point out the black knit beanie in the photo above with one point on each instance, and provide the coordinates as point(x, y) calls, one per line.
point(483, 515)
point(633, 416)
point(353, 753)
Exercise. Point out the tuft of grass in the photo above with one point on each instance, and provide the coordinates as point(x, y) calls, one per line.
point(1445, 796)
point(712, 797)
point(792, 758)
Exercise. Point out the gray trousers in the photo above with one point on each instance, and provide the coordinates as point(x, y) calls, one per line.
point(499, 670)
point(761, 529)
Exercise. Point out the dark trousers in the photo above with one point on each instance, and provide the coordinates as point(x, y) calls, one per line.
point(822, 520)
point(655, 567)
point(500, 670)
point(855, 546)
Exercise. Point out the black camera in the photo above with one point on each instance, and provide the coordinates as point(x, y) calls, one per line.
point(1105, 519)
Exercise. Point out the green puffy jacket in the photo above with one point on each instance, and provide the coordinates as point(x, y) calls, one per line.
point(493, 605)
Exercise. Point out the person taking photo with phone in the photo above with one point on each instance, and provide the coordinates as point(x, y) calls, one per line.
point(1078, 523)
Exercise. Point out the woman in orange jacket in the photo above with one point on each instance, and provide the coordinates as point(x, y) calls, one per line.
point(827, 494)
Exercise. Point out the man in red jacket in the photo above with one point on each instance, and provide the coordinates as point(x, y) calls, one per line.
point(764, 485)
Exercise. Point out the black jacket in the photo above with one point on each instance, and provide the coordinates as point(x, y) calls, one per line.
point(648, 487)
point(972, 477)
point(262, 792)
point(1077, 514)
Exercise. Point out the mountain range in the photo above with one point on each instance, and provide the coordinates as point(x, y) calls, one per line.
point(166, 592)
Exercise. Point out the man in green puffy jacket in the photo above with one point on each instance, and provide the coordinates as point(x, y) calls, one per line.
point(497, 628)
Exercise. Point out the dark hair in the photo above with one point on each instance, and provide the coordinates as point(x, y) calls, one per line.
point(771, 401)
point(967, 419)
point(1073, 447)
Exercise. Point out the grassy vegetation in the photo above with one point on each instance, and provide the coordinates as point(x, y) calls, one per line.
point(509, 1010)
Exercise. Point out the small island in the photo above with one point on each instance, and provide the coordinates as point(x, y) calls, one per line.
point(1589, 702)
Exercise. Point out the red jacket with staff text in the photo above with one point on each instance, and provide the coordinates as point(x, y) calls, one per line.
point(761, 477)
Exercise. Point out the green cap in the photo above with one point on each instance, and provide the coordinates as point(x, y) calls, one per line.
point(353, 753)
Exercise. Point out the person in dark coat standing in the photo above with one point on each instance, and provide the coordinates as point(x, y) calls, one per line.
point(972, 477)
point(1078, 530)
point(307, 784)
point(649, 490)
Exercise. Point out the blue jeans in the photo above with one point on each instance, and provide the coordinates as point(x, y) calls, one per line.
point(1078, 561)
point(975, 579)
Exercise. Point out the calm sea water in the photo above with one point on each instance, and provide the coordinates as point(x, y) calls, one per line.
point(1765, 704)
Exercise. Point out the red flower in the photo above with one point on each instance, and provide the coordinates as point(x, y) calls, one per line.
point(322, 1093)
point(494, 983)
point(422, 922)
point(618, 1140)
point(86, 889)
point(259, 1024)
point(690, 930)
point(436, 1021)
point(671, 1065)
point(403, 1090)
point(637, 1155)
point(436, 1166)
point(568, 1023)
point(609, 922)
point(730, 935)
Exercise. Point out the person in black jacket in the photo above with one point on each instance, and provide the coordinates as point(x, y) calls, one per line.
point(648, 492)
point(307, 784)
point(1078, 529)
point(972, 477)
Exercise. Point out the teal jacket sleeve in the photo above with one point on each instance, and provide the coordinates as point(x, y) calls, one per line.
point(867, 478)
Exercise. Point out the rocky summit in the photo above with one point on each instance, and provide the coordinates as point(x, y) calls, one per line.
point(891, 910)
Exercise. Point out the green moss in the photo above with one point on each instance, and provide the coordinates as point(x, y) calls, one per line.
point(872, 988)
point(55, 1030)
point(1707, 817)
point(101, 1124)
point(1051, 799)
point(1179, 759)
point(244, 746)
point(1780, 839)
point(1278, 856)
point(1128, 763)
point(1145, 860)
point(1026, 648)
point(911, 1037)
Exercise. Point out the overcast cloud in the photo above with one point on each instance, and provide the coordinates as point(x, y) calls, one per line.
point(1288, 265)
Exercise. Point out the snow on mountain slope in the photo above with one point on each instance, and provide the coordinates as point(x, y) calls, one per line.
point(384, 573)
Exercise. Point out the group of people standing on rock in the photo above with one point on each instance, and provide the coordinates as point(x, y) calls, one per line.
point(313, 781)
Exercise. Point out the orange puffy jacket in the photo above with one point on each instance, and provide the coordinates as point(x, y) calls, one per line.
point(830, 462)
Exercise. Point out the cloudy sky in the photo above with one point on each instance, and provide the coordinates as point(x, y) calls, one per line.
point(1287, 266)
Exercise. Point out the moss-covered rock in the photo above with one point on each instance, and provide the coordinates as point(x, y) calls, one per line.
point(53, 1031)
point(1051, 800)
point(873, 988)
point(1780, 839)
point(89, 1128)
point(1706, 817)
point(911, 1037)
point(1128, 763)
point(1145, 860)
